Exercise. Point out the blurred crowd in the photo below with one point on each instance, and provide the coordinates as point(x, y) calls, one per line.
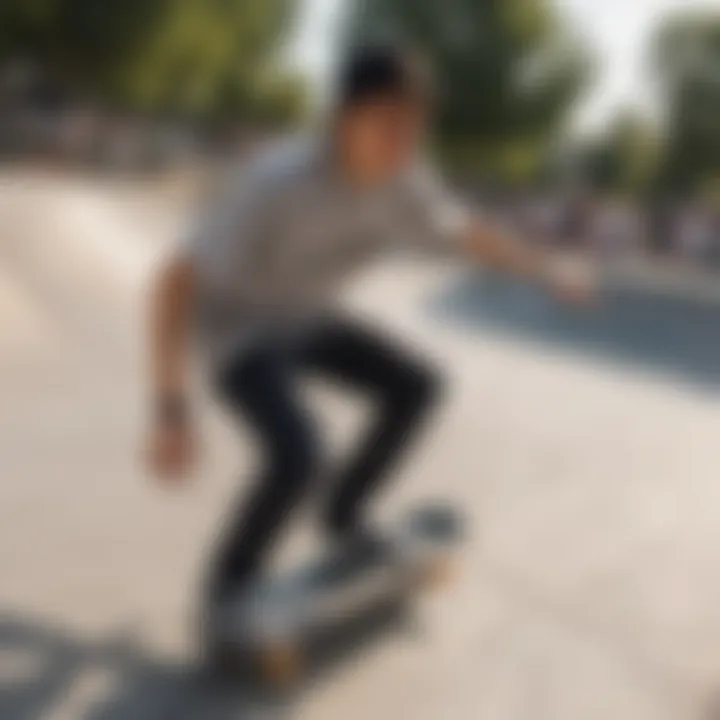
point(683, 230)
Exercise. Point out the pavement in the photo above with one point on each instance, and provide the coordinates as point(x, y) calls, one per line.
point(582, 447)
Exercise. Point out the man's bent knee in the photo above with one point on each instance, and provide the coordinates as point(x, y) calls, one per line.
point(418, 388)
point(295, 462)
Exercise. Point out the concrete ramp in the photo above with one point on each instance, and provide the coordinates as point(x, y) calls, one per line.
point(71, 257)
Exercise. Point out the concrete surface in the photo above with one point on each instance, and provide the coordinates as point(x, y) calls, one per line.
point(584, 450)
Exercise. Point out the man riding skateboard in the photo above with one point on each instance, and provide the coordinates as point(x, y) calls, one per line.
point(258, 278)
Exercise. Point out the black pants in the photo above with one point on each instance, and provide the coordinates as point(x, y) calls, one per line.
point(262, 386)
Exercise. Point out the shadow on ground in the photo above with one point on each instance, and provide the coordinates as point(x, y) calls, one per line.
point(677, 337)
point(50, 674)
point(46, 673)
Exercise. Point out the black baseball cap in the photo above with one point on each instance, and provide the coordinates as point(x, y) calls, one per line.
point(383, 71)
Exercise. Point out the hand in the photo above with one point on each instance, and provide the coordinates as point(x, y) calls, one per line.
point(572, 281)
point(171, 451)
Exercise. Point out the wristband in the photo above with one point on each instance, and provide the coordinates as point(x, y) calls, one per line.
point(172, 410)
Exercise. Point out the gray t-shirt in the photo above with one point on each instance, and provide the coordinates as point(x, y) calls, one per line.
point(286, 232)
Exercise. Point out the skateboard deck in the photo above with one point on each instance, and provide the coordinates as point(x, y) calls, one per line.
point(285, 626)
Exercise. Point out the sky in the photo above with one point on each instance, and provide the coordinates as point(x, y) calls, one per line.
point(618, 30)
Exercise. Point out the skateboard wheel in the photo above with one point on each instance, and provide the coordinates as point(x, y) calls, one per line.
point(280, 665)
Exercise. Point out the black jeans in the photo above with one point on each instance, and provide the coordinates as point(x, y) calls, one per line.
point(262, 386)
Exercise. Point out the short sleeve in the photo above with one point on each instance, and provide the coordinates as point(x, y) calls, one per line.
point(214, 232)
point(441, 218)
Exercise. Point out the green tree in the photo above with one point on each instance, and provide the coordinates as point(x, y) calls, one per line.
point(195, 57)
point(686, 59)
point(510, 70)
point(624, 158)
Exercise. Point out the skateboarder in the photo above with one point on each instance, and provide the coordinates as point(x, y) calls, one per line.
point(258, 277)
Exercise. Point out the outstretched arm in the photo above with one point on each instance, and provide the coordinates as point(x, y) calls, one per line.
point(486, 243)
point(453, 225)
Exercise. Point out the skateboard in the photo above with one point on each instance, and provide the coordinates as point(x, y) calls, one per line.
point(286, 626)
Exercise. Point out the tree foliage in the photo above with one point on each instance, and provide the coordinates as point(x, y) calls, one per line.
point(624, 157)
point(197, 57)
point(686, 59)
